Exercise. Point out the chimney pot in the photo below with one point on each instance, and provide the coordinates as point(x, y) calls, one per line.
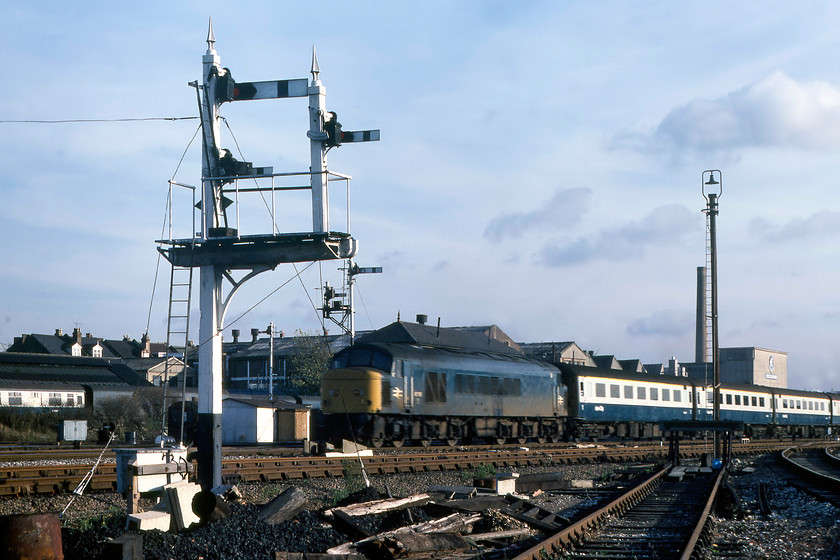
point(421, 318)
point(254, 334)
point(235, 334)
point(59, 332)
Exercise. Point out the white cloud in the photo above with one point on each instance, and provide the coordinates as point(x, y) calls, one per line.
point(825, 223)
point(561, 211)
point(666, 322)
point(664, 225)
point(777, 111)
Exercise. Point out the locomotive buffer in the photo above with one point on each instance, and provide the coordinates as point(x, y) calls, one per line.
point(219, 249)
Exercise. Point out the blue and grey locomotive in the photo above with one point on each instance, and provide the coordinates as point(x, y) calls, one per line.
point(394, 393)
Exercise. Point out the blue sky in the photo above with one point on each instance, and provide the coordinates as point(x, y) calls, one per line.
point(539, 166)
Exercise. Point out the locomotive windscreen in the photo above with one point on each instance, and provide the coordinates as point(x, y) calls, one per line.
point(365, 357)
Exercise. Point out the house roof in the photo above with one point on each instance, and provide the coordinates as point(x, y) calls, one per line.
point(39, 368)
point(401, 332)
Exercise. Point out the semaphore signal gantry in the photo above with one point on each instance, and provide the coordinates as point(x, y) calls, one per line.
point(220, 247)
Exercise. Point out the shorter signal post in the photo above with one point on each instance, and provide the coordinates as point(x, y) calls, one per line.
point(220, 250)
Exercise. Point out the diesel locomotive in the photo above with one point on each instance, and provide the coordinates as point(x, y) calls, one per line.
point(392, 394)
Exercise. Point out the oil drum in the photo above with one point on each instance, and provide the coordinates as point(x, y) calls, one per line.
point(31, 536)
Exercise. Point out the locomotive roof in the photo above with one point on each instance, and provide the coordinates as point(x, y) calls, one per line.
point(415, 351)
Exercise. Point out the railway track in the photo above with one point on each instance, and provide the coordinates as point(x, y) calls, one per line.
point(817, 468)
point(664, 517)
point(57, 476)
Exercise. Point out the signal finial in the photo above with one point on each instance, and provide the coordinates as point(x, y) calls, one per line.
point(211, 39)
point(315, 69)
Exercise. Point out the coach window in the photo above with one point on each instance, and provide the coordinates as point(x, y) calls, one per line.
point(654, 394)
point(728, 398)
point(600, 390)
point(755, 401)
point(810, 405)
point(666, 394)
point(737, 400)
point(641, 393)
point(746, 400)
point(761, 402)
point(677, 395)
point(628, 392)
point(798, 404)
point(615, 392)
point(582, 394)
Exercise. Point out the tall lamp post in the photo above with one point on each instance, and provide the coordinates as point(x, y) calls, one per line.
point(712, 190)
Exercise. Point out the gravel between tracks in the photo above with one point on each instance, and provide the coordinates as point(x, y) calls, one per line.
point(800, 527)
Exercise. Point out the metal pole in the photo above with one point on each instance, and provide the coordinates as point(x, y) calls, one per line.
point(271, 361)
point(712, 211)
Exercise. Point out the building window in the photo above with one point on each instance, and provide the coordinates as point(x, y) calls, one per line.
point(71, 401)
point(97, 351)
point(54, 399)
point(76, 350)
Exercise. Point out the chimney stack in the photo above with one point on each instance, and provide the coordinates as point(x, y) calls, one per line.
point(421, 319)
point(77, 334)
point(701, 335)
point(235, 334)
point(59, 332)
point(254, 334)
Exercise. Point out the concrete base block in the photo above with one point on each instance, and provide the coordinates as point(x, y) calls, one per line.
point(148, 521)
point(179, 496)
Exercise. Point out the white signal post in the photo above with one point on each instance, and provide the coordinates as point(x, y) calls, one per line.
point(219, 249)
point(317, 150)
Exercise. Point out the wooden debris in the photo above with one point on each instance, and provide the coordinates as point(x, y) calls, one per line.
point(534, 515)
point(316, 556)
point(381, 506)
point(452, 492)
point(289, 503)
point(402, 545)
point(477, 537)
point(448, 524)
point(346, 524)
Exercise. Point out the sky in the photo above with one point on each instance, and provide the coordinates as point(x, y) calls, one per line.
point(539, 166)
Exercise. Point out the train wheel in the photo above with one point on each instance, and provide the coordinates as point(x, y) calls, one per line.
point(377, 442)
point(425, 442)
point(452, 442)
point(500, 440)
point(521, 440)
point(542, 439)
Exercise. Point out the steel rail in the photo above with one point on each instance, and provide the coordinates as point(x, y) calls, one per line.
point(698, 541)
point(559, 542)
